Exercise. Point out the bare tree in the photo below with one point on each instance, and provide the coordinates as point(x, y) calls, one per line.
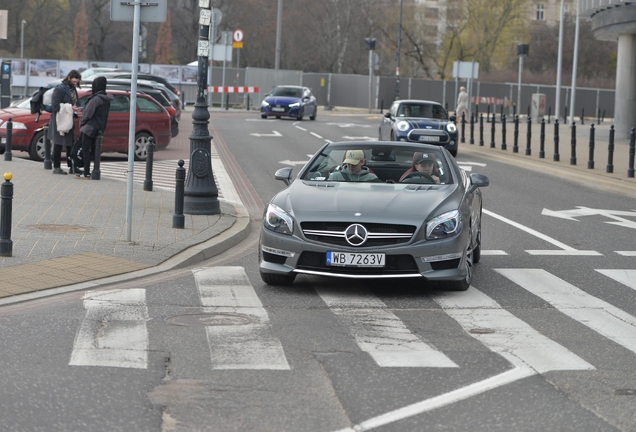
point(80, 47)
point(164, 42)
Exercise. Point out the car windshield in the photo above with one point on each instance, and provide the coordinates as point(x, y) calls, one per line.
point(287, 91)
point(384, 163)
point(420, 110)
point(24, 104)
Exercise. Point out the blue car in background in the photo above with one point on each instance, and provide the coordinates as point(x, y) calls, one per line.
point(419, 121)
point(290, 101)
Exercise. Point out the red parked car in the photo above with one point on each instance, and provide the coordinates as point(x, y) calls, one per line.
point(152, 121)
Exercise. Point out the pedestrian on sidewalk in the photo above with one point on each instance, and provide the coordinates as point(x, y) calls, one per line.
point(462, 103)
point(64, 93)
point(94, 119)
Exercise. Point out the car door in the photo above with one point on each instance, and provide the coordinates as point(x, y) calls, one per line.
point(310, 104)
point(116, 133)
point(387, 123)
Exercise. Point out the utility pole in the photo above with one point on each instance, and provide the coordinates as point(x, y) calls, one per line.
point(399, 47)
point(557, 104)
point(279, 24)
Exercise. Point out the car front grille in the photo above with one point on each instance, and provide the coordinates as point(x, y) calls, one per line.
point(333, 233)
point(395, 265)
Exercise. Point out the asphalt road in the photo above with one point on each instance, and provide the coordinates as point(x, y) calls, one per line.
point(555, 288)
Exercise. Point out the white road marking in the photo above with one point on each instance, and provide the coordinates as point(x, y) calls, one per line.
point(273, 134)
point(600, 316)
point(465, 167)
point(302, 129)
point(493, 252)
point(316, 135)
point(227, 290)
point(380, 333)
point(626, 253)
point(566, 248)
point(626, 277)
point(114, 332)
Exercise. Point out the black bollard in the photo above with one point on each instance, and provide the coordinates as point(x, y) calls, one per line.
point(503, 132)
point(529, 138)
point(603, 116)
point(48, 164)
point(97, 157)
point(492, 131)
point(542, 140)
point(7, 146)
point(573, 144)
point(556, 156)
point(549, 113)
point(6, 197)
point(150, 149)
point(178, 219)
point(515, 145)
point(481, 130)
point(472, 125)
point(598, 119)
point(528, 110)
point(632, 146)
point(590, 162)
point(463, 127)
point(227, 101)
point(488, 112)
point(565, 115)
point(610, 152)
point(514, 110)
point(582, 116)
point(247, 102)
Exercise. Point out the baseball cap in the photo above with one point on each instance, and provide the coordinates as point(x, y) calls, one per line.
point(424, 157)
point(354, 157)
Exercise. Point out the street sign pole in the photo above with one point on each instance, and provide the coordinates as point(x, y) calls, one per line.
point(200, 191)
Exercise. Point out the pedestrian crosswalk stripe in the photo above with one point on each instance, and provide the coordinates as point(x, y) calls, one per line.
point(380, 333)
point(590, 311)
point(113, 332)
point(502, 332)
point(626, 277)
point(227, 290)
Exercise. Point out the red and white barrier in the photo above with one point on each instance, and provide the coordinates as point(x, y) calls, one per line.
point(235, 89)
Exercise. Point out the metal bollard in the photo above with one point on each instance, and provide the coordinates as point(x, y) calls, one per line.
point(549, 113)
point(7, 146)
point(481, 130)
point(97, 157)
point(503, 132)
point(542, 140)
point(492, 132)
point(573, 144)
point(529, 138)
point(556, 156)
point(48, 164)
point(463, 127)
point(598, 119)
point(515, 145)
point(227, 101)
point(247, 102)
point(610, 151)
point(150, 149)
point(590, 162)
point(472, 125)
point(632, 145)
point(6, 197)
point(582, 116)
point(178, 219)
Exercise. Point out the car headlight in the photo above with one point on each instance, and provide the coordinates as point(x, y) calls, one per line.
point(402, 126)
point(16, 125)
point(445, 225)
point(277, 219)
point(294, 105)
point(264, 103)
point(451, 127)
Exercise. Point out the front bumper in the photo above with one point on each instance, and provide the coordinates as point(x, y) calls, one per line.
point(287, 111)
point(447, 140)
point(439, 260)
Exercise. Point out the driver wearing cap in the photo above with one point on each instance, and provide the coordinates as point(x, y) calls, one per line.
point(354, 169)
point(425, 164)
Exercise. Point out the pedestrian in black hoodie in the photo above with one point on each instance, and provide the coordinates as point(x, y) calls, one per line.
point(93, 121)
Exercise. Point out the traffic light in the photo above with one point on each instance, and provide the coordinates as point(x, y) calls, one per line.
point(370, 43)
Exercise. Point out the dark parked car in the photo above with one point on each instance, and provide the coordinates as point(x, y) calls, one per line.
point(419, 121)
point(144, 76)
point(290, 101)
point(152, 121)
point(402, 224)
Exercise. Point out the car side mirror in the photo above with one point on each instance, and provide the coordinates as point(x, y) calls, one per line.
point(387, 114)
point(284, 175)
point(477, 181)
point(453, 118)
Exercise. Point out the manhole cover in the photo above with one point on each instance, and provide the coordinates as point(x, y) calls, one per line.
point(481, 331)
point(625, 392)
point(63, 228)
point(214, 319)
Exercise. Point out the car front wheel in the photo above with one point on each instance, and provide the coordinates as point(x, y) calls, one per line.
point(313, 116)
point(278, 279)
point(141, 146)
point(36, 149)
point(464, 284)
point(301, 115)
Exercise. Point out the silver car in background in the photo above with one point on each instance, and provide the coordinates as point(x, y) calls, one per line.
point(405, 224)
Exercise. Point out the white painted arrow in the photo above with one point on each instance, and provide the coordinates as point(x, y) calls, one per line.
point(348, 125)
point(360, 138)
point(292, 163)
point(275, 134)
point(586, 211)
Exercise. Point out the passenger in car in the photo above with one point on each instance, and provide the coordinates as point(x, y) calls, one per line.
point(354, 169)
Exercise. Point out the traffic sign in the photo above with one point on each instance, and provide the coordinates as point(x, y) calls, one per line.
point(237, 44)
point(237, 36)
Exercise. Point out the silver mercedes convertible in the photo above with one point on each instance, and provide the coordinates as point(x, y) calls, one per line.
point(375, 210)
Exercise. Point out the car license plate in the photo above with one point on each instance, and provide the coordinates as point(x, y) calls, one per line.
point(277, 109)
point(349, 259)
point(429, 138)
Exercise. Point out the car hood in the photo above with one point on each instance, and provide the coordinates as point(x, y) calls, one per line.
point(16, 114)
point(425, 123)
point(281, 100)
point(374, 202)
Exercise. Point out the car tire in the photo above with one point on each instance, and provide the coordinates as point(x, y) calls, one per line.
point(301, 115)
point(392, 136)
point(464, 284)
point(477, 248)
point(313, 116)
point(36, 149)
point(278, 117)
point(263, 116)
point(141, 146)
point(278, 279)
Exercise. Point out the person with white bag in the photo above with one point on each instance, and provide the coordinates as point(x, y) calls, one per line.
point(64, 93)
